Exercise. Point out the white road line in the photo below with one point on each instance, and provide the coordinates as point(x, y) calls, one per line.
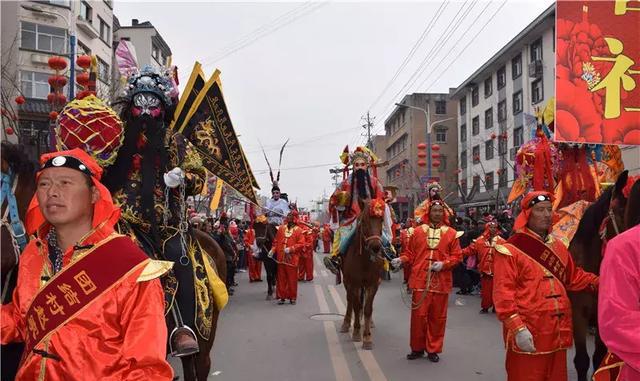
point(338, 360)
point(366, 357)
point(324, 273)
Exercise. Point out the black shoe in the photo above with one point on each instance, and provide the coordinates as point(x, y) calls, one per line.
point(433, 357)
point(415, 355)
point(292, 301)
point(493, 310)
point(484, 311)
point(332, 264)
point(281, 301)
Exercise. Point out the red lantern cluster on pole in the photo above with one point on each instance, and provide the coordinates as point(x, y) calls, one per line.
point(82, 79)
point(436, 163)
point(57, 81)
point(435, 155)
point(422, 163)
point(435, 147)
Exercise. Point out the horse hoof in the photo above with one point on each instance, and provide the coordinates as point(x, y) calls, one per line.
point(367, 345)
point(356, 338)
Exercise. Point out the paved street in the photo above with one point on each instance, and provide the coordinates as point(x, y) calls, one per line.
point(260, 340)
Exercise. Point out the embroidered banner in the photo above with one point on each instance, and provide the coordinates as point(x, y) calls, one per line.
point(541, 253)
point(73, 289)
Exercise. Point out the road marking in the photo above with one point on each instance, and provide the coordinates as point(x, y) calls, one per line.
point(338, 360)
point(324, 273)
point(366, 357)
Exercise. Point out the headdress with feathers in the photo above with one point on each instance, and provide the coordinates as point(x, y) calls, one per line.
point(275, 180)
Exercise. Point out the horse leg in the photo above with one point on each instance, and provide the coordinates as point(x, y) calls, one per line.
point(346, 323)
point(581, 358)
point(367, 340)
point(189, 367)
point(600, 352)
point(271, 277)
point(357, 311)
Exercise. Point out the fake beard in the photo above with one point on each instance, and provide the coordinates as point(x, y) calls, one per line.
point(362, 183)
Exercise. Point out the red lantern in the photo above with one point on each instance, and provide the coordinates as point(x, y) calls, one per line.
point(53, 115)
point(20, 99)
point(476, 158)
point(57, 63)
point(435, 147)
point(84, 61)
point(422, 154)
point(61, 99)
point(397, 173)
point(422, 163)
point(422, 146)
point(493, 136)
point(51, 97)
point(57, 81)
point(436, 163)
point(435, 155)
point(9, 130)
point(458, 170)
point(82, 79)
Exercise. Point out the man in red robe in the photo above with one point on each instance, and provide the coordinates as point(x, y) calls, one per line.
point(484, 249)
point(255, 266)
point(326, 239)
point(287, 247)
point(533, 272)
point(433, 251)
point(305, 267)
point(87, 304)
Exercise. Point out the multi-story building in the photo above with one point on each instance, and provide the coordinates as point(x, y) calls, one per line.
point(32, 32)
point(496, 105)
point(406, 128)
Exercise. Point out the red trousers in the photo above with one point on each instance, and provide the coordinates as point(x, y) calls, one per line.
point(486, 282)
point(326, 245)
point(287, 282)
point(406, 269)
point(305, 267)
point(428, 321)
point(255, 267)
point(547, 367)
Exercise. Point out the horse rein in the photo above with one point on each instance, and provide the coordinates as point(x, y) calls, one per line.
point(366, 239)
point(11, 221)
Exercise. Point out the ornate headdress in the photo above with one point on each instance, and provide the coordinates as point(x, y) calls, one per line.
point(362, 153)
point(150, 80)
point(275, 179)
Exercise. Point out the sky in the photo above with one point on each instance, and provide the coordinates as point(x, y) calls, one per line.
point(309, 71)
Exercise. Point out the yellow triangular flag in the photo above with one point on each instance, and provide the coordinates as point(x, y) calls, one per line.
point(215, 200)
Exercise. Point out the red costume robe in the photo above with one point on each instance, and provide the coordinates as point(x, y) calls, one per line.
point(287, 278)
point(527, 295)
point(305, 267)
point(484, 250)
point(405, 234)
point(326, 239)
point(428, 320)
point(255, 266)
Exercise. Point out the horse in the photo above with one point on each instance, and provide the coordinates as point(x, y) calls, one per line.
point(21, 171)
point(602, 220)
point(361, 267)
point(197, 366)
point(265, 235)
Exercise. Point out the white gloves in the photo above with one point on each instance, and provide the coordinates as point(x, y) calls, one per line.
point(396, 262)
point(174, 177)
point(436, 266)
point(287, 250)
point(270, 254)
point(524, 340)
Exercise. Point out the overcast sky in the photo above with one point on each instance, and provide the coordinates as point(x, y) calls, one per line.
point(310, 71)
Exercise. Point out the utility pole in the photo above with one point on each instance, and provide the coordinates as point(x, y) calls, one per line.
point(368, 126)
point(335, 174)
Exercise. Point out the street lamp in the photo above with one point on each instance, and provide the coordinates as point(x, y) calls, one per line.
point(429, 128)
point(72, 44)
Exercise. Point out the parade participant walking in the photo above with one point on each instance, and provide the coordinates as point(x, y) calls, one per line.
point(483, 249)
point(618, 308)
point(287, 247)
point(255, 266)
point(305, 267)
point(433, 251)
point(326, 238)
point(88, 304)
point(533, 273)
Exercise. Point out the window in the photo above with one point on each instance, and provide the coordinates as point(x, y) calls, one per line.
point(463, 105)
point(443, 163)
point(476, 182)
point(463, 187)
point(154, 52)
point(502, 178)
point(488, 118)
point(488, 148)
point(516, 66)
point(488, 87)
point(488, 181)
point(105, 31)
point(476, 154)
point(463, 159)
point(86, 12)
point(103, 71)
point(441, 107)
point(518, 137)
point(83, 49)
point(441, 134)
point(34, 85)
point(536, 50)
point(43, 37)
point(502, 146)
point(502, 77)
point(502, 111)
point(475, 126)
point(475, 97)
point(517, 102)
point(537, 92)
point(463, 133)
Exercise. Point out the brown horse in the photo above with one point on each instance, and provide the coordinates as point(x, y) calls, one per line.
point(362, 265)
point(586, 249)
point(265, 235)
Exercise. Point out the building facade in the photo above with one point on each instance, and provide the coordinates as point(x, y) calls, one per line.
point(405, 129)
point(495, 112)
point(32, 32)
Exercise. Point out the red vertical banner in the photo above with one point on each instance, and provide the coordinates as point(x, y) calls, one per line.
point(598, 72)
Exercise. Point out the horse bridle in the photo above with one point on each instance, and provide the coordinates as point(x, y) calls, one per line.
point(367, 239)
point(610, 216)
point(11, 221)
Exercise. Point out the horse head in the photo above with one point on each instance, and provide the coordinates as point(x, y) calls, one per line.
point(617, 205)
point(370, 223)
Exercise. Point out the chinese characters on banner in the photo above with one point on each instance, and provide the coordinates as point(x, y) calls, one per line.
point(598, 72)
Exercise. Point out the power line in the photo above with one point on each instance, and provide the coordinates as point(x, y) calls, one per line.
point(261, 171)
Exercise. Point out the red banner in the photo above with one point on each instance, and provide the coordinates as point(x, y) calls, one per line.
point(598, 72)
